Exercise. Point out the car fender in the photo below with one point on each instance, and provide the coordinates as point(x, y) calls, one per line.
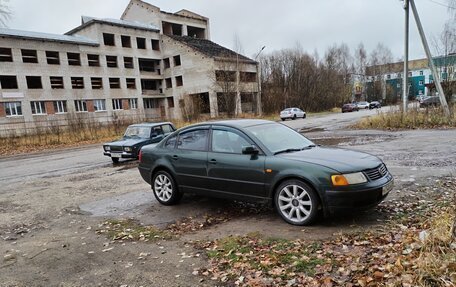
point(162, 163)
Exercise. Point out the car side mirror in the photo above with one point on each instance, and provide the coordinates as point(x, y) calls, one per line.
point(250, 150)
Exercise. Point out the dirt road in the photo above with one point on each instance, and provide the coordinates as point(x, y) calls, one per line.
point(51, 205)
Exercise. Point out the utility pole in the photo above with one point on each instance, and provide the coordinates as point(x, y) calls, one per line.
point(436, 77)
point(406, 50)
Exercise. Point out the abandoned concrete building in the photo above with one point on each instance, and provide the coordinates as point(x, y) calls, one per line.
point(147, 65)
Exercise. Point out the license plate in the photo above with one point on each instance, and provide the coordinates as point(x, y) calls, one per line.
point(387, 188)
point(117, 155)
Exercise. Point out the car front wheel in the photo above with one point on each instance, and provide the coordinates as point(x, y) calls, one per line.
point(296, 202)
point(165, 189)
point(115, 159)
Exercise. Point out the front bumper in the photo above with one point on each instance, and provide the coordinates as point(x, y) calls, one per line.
point(120, 154)
point(360, 197)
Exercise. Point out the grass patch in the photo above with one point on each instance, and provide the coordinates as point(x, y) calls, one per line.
point(414, 119)
point(131, 230)
point(417, 248)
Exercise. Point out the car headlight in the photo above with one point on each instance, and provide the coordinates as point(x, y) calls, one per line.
point(107, 148)
point(347, 179)
point(127, 149)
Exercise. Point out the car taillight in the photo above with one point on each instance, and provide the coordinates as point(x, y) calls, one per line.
point(140, 156)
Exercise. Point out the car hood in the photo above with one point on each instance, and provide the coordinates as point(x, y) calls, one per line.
point(341, 160)
point(126, 142)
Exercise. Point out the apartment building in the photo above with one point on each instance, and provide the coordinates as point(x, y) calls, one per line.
point(147, 65)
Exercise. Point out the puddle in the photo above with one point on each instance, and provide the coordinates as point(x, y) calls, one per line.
point(351, 140)
point(311, 130)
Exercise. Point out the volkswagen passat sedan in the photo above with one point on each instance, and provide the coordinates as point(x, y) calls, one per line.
point(292, 113)
point(258, 160)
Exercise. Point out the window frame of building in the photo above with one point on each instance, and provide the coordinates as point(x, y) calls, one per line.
point(421, 82)
point(96, 83)
point(130, 83)
point(150, 103)
point(77, 83)
point(34, 82)
point(8, 79)
point(166, 63)
point(29, 56)
point(177, 61)
point(251, 77)
point(117, 104)
point(126, 41)
point(168, 83)
point(179, 81)
point(388, 76)
point(128, 63)
point(155, 43)
point(133, 103)
point(99, 105)
point(93, 60)
point(6, 54)
point(114, 83)
point(170, 102)
point(141, 43)
point(111, 61)
point(38, 107)
point(13, 109)
point(52, 57)
point(421, 73)
point(109, 39)
point(56, 82)
point(60, 107)
point(410, 74)
point(74, 59)
point(80, 106)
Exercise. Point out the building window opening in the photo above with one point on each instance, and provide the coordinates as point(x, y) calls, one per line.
point(94, 60)
point(97, 83)
point(34, 82)
point(128, 62)
point(8, 82)
point(6, 55)
point(141, 43)
point(74, 59)
point(126, 41)
point(13, 109)
point(52, 58)
point(117, 104)
point(108, 39)
point(177, 60)
point(155, 45)
point(38, 108)
point(29, 56)
point(56, 82)
point(114, 83)
point(77, 82)
point(111, 61)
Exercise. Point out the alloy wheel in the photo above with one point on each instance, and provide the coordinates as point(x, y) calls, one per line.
point(163, 187)
point(295, 204)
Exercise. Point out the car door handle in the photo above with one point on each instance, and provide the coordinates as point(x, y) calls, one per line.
point(175, 157)
point(213, 161)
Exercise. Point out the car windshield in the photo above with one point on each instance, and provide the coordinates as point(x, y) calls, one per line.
point(137, 132)
point(279, 138)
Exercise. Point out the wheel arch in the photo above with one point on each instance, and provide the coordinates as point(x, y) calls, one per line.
point(307, 181)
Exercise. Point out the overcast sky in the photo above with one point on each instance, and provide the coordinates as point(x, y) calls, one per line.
point(315, 24)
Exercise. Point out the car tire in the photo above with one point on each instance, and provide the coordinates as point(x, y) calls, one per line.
point(282, 119)
point(296, 202)
point(294, 117)
point(304, 116)
point(115, 159)
point(165, 189)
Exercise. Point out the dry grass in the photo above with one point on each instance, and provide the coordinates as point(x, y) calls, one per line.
point(413, 119)
point(437, 261)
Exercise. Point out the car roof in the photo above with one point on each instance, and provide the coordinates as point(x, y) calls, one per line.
point(236, 123)
point(149, 124)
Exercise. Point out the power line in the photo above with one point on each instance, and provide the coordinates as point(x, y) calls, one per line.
point(441, 4)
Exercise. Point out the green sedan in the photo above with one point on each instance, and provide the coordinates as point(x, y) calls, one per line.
point(263, 161)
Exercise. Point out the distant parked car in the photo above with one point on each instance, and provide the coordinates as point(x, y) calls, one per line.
point(429, 102)
point(135, 137)
point(349, 108)
point(375, 105)
point(363, 105)
point(292, 113)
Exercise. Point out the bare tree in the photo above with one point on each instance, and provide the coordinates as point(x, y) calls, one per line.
point(380, 61)
point(5, 13)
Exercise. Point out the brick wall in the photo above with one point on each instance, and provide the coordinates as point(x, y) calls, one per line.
point(2, 110)
point(90, 107)
point(50, 108)
point(125, 104)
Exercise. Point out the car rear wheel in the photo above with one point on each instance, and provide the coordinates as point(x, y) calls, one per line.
point(296, 202)
point(304, 116)
point(165, 189)
point(115, 159)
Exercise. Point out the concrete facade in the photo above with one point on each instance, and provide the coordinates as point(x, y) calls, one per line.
point(145, 66)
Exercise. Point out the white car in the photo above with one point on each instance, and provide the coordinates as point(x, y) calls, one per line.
point(292, 113)
point(363, 105)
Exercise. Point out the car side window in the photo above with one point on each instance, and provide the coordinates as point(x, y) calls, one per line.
point(171, 142)
point(156, 131)
point(167, 129)
point(228, 142)
point(193, 140)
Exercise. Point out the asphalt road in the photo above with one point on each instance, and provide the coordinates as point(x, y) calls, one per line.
point(67, 161)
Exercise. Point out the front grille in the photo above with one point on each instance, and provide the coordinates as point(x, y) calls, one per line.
point(116, 148)
point(376, 173)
